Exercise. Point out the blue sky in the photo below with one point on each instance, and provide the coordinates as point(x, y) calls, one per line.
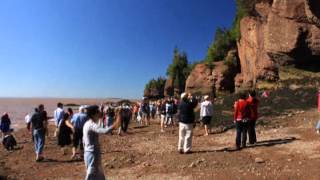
point(100, 48)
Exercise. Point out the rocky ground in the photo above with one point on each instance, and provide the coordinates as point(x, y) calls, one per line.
point(288, 148)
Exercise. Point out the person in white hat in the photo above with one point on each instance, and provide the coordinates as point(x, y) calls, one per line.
point(206, 113)
point(186, 123)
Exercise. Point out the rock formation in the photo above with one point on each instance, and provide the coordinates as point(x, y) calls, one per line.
point(209, 79)
point(169, 88)
point(282, 32)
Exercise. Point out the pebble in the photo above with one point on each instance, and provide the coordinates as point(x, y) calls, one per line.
point(146, 164)
point(259, 160)
point(192, 165)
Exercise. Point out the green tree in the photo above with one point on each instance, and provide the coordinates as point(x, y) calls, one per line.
point(226, 39)
point(155, 88)
point(179, 70)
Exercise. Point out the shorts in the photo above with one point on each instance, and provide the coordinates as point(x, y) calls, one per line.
point(206, 120)
point(77, 138)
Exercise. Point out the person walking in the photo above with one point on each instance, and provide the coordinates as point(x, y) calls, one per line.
point(110, 116)
point(135, 111)
point(162, 109)
point(253, 102)
point(64, 133)
point(78, 120)
point(186, 123)
point(92, 152)
point(5, 124)
point(145, 111)
point(169, 113)
point(241, 118)
point(126, 115)
point(58, 115)
point(38, 124)
point(206, 113)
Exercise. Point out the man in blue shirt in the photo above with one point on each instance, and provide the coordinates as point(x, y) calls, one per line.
point(78, 121)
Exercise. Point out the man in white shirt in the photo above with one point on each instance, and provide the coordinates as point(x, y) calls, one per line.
point(206, 113)
point(58, 117)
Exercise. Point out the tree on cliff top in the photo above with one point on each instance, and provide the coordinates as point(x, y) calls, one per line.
point(222, 43)
point(179, 70)
point(155, 88)
point(226, 39)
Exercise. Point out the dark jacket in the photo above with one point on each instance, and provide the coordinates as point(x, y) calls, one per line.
point(186, 111)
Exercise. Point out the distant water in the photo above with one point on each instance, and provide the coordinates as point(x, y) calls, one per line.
point(17, 108)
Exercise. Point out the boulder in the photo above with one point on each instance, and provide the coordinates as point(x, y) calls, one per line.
point(282, 32)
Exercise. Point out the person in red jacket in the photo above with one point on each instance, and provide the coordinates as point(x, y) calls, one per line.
point(241, 118)
point(253, 102)
point(318, 124)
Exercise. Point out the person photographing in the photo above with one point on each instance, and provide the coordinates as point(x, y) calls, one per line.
point(186, 122)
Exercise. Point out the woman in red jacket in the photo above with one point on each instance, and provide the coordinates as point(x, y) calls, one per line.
point(253, 103)
point(241, 118)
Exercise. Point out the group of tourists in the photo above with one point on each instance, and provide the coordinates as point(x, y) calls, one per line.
point(82, 129)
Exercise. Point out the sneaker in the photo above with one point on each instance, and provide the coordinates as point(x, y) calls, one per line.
point(188, 152)
point(162, 131)
point(180, 151)
point(237, 148)
point(39, 159)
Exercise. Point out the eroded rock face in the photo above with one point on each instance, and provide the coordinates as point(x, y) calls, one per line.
point(283, 32)
point(206, 80)
point(169, 88)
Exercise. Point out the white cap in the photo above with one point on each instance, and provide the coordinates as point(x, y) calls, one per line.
point(183, 95)
point(206, 97)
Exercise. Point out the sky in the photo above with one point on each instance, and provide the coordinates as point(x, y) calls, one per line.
point(100, 48)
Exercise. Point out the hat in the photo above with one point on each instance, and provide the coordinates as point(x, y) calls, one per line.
point(183, 95)
point(81, 108)
point(206, 97)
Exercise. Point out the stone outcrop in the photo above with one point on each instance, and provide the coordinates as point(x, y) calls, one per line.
point(282, 32)
point(209, 79)
point(169, 88)
point(153, 93)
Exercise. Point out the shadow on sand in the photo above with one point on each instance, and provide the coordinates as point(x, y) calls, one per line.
point(267, 143)
point(48, 160)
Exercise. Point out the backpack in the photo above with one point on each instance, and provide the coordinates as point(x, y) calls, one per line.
point(9, 142)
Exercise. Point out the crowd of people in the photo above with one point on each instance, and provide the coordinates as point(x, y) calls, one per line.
point(81, 130)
